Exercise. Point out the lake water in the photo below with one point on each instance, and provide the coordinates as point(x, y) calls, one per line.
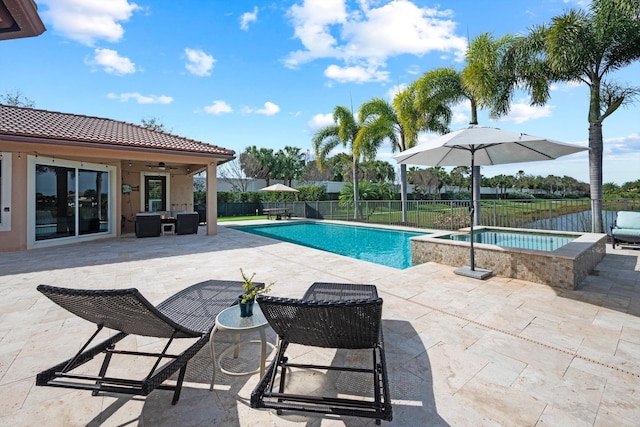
point(580, 222)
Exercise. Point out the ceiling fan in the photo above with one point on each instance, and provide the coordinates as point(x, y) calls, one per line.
point(161, 166)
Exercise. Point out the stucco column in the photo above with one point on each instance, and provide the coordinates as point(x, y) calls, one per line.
point(212, 199)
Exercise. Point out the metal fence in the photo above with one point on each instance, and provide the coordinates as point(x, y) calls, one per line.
point(554, 214)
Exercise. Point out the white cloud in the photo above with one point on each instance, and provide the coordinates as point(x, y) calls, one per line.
point(141, 99)
point(321, 120)
point(218, 107)
point(112, 62)
point(247, 18)
point(199, 62)
point(269, 109)
point(522, 112)
point(461, 113)
point(365, 38)
point(582, 3)
point(356, 74)
point(622, 146)
point(413, 70)
point(394, 90)
point(565, 86)
point(88, 21)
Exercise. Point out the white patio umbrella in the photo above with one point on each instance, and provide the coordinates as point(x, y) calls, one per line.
point(481, 146)
point(279, 188)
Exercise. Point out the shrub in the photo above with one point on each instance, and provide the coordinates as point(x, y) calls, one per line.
point(312, 193)
point(519, 195)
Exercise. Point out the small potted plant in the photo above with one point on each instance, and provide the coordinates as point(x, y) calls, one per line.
point(251, 289)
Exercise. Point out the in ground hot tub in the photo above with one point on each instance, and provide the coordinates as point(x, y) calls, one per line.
point(549, 257)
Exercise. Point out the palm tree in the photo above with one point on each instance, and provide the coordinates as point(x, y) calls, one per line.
point(343, 132)
point(485, 82)
point(459, 176)
point(377, 171)
point(399, 124)
point(380, 121)
point(290, 163)
point(258, 163)
point(586, 46)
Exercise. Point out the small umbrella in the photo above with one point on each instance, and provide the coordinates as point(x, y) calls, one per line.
point(478, 145)
point(278, 188)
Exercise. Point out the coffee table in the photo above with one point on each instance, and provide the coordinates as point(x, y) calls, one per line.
point(230, 320)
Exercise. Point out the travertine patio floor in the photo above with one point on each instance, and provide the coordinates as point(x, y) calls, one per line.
point(460, 352)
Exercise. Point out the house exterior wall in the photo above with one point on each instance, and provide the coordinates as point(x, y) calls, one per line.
point(15, 239)
point(129, 167)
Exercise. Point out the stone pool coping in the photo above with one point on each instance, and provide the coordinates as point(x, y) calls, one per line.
point(566, 267)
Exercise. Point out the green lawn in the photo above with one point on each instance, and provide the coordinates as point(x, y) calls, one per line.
point(241, 218)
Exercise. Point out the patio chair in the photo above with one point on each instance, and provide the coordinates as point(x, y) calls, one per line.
point(148, 224)
point(329, 315)
point(187, 223)
point(189, 313)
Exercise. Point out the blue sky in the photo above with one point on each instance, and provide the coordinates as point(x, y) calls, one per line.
point(240, 73)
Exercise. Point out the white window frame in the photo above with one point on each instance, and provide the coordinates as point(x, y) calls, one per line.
point(143, 189)
point(114, 217)
point(5, 191)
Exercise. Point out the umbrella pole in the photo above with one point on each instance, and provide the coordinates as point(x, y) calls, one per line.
point(471, 270)
point(472, 260)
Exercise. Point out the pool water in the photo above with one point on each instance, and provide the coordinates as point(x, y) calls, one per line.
point(513, 239)
point(386, 247)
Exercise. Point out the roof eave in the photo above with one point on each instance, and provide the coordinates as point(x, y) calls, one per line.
point(20, 18)
point(117, 147)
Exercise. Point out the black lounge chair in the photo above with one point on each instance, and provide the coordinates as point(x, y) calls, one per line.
point(329, 315)
point(189, 313)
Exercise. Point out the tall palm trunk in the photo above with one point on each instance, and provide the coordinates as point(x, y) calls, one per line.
point(595, 155)
point(403, 192)
point(595, 176)
point(476, 177)
point(356, 190)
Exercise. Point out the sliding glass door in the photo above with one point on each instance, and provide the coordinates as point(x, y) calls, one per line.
point(70, 201)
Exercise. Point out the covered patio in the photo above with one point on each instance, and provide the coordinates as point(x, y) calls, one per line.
point(459, 351)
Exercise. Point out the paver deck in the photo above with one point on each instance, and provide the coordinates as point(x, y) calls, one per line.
point(460, 351)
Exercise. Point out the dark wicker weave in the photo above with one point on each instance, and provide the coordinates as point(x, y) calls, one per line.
point(187, 223)
point(148, 225)
point(189, 313)
point(330, 315)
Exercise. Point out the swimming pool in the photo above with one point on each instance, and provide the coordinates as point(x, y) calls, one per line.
point(514, 239)
point(381, 246)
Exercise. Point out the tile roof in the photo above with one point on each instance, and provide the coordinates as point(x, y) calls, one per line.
point(49, 125)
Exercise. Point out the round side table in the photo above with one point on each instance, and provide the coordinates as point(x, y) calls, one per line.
point(230, 320)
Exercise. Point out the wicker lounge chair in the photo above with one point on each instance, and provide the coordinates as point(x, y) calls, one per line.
point(189, 313)
point(329, 315)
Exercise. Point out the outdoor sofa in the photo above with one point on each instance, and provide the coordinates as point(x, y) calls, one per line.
point(626, 228)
